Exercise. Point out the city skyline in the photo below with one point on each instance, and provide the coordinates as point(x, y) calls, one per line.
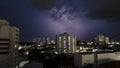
point(85, 19)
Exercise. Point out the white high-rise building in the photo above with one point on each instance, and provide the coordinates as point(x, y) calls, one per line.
point(9, 38)
point(65, 43)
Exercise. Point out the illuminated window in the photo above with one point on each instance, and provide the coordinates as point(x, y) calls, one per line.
point(64, 37)
point(64, 50)
point(59, 45)
point(69, 48)
point(69, 37)
point(64, 46)
point(69, 40)
point(59, 38)
point(64, 41)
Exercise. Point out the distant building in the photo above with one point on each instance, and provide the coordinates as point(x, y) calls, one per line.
point(37, 41)
point(84, 46)
point(114, 42)
point(65, 43)
point(26, 45)
point(102, 40)
point(9, 38)
point(52, 42)
point(46, 40)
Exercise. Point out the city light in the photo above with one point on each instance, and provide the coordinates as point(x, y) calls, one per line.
point(19, 48)
point(23, 63)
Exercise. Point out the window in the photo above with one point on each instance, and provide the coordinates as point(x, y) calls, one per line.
point(65, 51)
point(59, 38)
point(64, 37)
point(59, 45)
point(68, 37)
point(64, 46)
point(69, 48)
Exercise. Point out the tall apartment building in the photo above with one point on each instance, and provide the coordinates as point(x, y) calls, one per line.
point(9, 38)
point(66, 43)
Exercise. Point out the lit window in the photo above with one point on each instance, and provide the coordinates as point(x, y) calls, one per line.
point(15, 46)
point(69, 37)
point(64, 46)
point(69, 48)
point(64, 50)
point(59, 38)
point(64, 37)
point(64, 41)
point(19, 48)
point(59, 45)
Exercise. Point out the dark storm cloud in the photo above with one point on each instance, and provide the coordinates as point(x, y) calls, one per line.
point(70, 8)
point(43, 4)
point(60, 7)
point(105, 9)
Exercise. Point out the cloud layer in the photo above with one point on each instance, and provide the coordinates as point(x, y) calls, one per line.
point(43, 4)
point(93, 9)
point(105, 9)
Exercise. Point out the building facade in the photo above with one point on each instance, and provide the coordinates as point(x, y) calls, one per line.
point(84, 59)
point(9, 39)
point(65, 43)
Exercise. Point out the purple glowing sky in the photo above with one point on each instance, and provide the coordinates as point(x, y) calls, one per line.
point(83, 18)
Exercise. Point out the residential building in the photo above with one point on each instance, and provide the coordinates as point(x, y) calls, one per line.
point(65, 43)
point(102, 40)
point(46, 40)
point(9, 38)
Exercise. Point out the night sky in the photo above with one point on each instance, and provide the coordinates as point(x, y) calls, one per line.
point(83, 18)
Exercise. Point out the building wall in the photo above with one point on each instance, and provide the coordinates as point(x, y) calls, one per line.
point(4, 32)
point(95, 58)
point(65, 43)
point(3, 22)
point(107, 57)
point(14, 40)
point(9, 37)
point(78, 60)
point(87, 59)
point(4, 63)
point(83, 59)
